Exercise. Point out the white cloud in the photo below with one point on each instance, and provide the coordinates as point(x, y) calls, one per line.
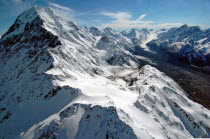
point(204, 26)
point(123, 20)
point(60, 7)
point(64, 12)
point(118, 15)
point(141, 16)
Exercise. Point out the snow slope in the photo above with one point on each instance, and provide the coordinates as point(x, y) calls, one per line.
point(56, 82)
point(146, 104)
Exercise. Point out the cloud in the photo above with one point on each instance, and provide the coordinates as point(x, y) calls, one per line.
point(141, 17)
point(65, 12)
point(97, 20)
point(203, 26)
point(60, 7)
point(118, 15)
point(123, 20)
point(68, 13)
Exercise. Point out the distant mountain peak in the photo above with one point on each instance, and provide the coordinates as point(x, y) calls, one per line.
point(184, 26)
point(95, 31)
point(133, 29)
point(108, 29)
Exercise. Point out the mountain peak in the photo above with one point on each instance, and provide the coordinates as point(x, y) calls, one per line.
point(109, 28)
point(20, 23)
point(95, 31)
point(110, 32)
point(145, 30)
point(30, 14)
point(133, 29)
point(185, 26)
point(45, 16)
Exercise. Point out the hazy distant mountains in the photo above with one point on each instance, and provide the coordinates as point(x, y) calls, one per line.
point(190, 44)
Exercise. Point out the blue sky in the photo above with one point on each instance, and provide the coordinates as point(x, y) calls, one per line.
point(118, 14)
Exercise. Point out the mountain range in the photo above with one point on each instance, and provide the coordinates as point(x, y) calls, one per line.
point(61, 80)
point(189, 44)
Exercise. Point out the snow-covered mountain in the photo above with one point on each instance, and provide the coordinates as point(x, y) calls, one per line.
point(131, 41)
point(96, 32)
point(60, 81)
point(116, 51)
point(105, 32)
point(136, 35)
point(115, 39)
point(133, 36)
point(191, 44)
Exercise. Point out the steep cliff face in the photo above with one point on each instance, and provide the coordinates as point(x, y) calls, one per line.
point(58, 80)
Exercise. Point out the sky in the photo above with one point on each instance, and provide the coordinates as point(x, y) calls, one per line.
point(117, 14)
